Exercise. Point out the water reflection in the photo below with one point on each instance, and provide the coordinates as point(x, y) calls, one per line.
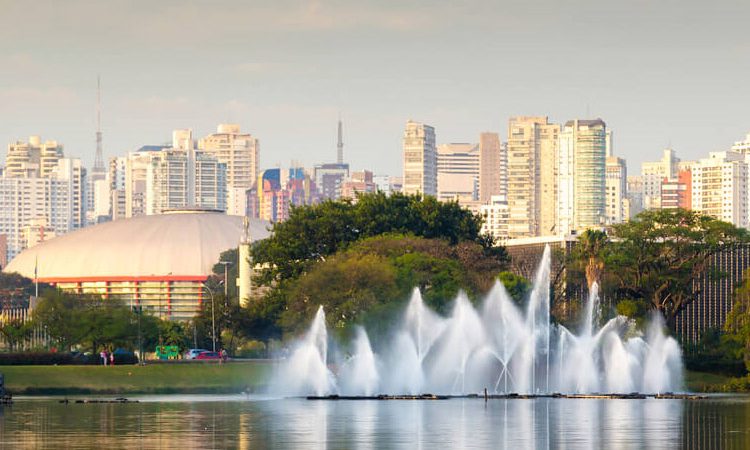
point(295, 423)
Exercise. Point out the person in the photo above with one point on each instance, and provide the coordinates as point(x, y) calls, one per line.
point(103, 354)
point(223, 355)
point(111, 358)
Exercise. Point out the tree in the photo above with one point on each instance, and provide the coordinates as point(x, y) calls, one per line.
point(661, 256)
point(15, 332)
point(591, 245)
point(516, 285)
point(60, 314)
point(313, 233)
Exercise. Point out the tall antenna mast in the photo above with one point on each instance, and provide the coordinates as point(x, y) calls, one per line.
point(340, 144)
point(99, 157)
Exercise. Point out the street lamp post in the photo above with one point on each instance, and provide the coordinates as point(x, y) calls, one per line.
point(225, 264)
point(213, 317)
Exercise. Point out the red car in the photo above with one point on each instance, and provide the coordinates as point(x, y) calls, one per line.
point(208, 355)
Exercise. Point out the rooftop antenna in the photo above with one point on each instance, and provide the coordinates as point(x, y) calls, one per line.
point(99, 157)
point(340, 144)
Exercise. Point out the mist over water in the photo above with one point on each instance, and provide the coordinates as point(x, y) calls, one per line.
point(498, 346)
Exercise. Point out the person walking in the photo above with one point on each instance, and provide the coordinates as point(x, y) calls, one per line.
point(103, 354)
point(111, 358)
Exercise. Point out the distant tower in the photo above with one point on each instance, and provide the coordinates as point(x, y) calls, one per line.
point(99, 172)
point(340, 145)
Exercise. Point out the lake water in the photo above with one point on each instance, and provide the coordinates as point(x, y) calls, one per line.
point(250, 423)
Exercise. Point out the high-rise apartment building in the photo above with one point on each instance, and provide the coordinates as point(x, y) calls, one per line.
point(241, 154)
point(33, 158)
point(458, 172)
point(420, 159)
point(742, 146)
point(360, 182)
point(720, 187)
point(495, 217)
point(531, 176)
point(582, 179)
point(492, 167)
point(653, 173)
point(178, 179)
point(616, 189)
point(329, 179)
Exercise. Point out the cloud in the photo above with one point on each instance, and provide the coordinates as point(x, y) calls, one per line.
point(52, 97)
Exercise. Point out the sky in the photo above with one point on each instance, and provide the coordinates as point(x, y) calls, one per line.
point(659, 72)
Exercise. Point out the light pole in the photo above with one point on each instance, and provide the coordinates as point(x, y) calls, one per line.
point(213, 317)
point(225, 264)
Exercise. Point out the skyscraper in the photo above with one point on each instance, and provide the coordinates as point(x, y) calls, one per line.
point(582, 179)
point(616, 189)
point(492, 167)
point(33, 158)
point(420, 159)
point(241, 154)
point(458, 172)
point(532, 178)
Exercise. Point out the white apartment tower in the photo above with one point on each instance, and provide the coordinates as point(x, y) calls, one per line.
point(241, 154)
point(531, 176)
point(720, 187)
point(616, 189)
point(420, 159)
point(33, 158)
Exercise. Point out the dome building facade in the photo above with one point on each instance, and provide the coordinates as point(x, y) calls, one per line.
point(159, 262)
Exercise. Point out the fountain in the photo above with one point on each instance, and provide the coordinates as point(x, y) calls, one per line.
point(497, 347)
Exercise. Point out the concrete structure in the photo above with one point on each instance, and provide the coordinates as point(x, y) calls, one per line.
point(582, 179)
point(241, 154)
point(387, 183)
point(420, 159)
point(458, 172)
point(720, 187)
point(493, 167)
point(244, 282)
point(329, 178)
point(360, 182)
point(652, 175)
point(495, 218)
point(33, 158)
point(159, 262)
point(616, 189)
point(677, 193)
point(635, 195)
point(532, 179)
point(742, 146)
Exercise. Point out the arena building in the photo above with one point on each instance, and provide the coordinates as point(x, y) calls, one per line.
point(159, 262)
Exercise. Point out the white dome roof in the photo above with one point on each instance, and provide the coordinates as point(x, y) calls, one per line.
point(176, 244)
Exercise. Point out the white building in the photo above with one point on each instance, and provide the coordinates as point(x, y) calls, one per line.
point(495, 216)
point(420, 159)
point(742, 146)
point(33, 158)
point(616, 190)
point(652, 175)
point(241, 154)
point(458, 172)
point(178, 179)
point(720, 187)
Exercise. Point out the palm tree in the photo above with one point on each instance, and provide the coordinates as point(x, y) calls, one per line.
point(590, 246)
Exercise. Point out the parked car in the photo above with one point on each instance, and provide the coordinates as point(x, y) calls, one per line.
point(208, 355)
point(194, 352)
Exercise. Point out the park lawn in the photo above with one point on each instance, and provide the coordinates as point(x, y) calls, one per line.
point(195, 378)
point(705, 381)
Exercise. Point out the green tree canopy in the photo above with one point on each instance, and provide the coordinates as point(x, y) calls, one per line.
point(661, 254)
point(313, 233)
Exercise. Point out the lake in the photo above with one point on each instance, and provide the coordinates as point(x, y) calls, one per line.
point(721, 422)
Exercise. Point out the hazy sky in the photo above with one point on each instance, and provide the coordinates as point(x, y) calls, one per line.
point(659, 72)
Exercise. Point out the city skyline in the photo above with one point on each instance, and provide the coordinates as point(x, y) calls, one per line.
point(285, 71)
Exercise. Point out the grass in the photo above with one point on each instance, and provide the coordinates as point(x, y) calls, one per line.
point(150, 379)
point(705, 381)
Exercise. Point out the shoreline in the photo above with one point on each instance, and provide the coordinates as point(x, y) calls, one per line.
point(186, 378)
